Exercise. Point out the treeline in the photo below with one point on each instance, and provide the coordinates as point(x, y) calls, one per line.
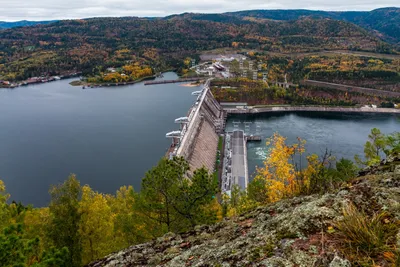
point(81, 225)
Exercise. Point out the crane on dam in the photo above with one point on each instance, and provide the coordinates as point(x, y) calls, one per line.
point(176, 139)
point(182, 120)
point(197, 93)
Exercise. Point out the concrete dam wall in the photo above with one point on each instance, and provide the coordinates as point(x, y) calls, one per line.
point(199, 141)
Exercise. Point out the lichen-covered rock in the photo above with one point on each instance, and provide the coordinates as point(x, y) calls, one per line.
point(287, 233)
point(339, 262)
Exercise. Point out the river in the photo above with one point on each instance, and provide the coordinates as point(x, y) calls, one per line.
point(108, 137)
point(342, 133)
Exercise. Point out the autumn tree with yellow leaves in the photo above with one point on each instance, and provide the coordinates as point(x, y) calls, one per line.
point(284, 175)
point(96, 226)
point(280, 173)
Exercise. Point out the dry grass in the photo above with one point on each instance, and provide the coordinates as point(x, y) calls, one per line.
point(368, 239)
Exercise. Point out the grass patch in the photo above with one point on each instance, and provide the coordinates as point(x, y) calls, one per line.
point(220, 141)
point(368, 239)
point(218, 159)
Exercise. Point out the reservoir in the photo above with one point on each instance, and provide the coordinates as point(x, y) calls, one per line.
point(342, 133)
point(108, 137)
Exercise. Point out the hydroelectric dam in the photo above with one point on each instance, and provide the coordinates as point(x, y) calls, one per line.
point(197, 141)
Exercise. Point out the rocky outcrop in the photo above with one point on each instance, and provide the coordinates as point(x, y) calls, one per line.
point(288, 233)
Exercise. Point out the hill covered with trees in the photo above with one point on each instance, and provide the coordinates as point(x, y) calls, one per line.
point(91, 45)
point(384, 21)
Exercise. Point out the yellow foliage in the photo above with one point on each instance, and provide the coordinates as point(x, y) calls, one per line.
point(2, 186)
point(96, 227)
point(187, 61)
point(136, 72)
point(283, 180)
point(123, 54)
point(214, 208)
point(36, 223)
point(4, 212)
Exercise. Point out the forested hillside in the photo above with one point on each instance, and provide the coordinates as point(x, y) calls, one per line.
point(91, 45)
point(385, 21)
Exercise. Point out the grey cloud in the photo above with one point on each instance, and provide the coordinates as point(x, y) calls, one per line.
point(12, 10)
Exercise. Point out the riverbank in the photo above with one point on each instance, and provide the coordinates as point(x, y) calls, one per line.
point(37, 80)
point(105, 84)
point(255, 110)
point(190, 84)
point(92, 85)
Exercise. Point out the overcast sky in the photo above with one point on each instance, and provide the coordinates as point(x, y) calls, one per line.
point(13, 10)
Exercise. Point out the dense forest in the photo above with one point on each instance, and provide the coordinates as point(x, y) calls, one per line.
point(91, 45)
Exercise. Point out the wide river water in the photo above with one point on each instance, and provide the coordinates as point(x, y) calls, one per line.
point(110, 137)
point(342, 133)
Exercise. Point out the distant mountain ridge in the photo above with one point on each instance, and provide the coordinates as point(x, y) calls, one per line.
point(22, 23)
point(384, 21)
